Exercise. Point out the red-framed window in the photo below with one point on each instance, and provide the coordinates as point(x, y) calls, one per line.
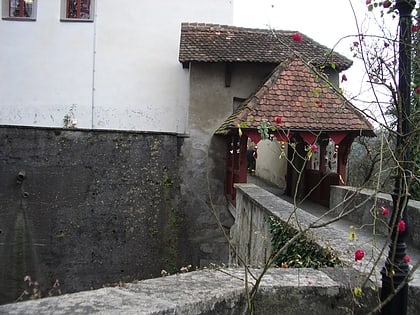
point(78, 10)
point(19, 9)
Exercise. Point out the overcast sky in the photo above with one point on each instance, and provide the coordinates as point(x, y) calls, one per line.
point(326, 21)
point(329, 22)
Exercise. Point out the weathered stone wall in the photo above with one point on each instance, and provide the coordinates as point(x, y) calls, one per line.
point(92, 208)
point(364, 208)
point(251, 233)
point(221, 292)
point(251, 237)
point(203, 155)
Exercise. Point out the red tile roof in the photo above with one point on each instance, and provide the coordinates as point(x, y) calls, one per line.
point(222, 43)
point(302, 99)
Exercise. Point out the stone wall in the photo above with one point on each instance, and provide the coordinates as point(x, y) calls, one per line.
point(203, 155)
point(221, 292)
point(90, 208)
point(251, 237)
point(364, 207)
point(251, 234)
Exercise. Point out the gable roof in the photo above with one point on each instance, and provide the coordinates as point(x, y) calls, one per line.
point(303, 100)
point(202, 42)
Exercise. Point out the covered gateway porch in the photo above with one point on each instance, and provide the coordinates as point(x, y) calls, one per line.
point(307, 174)
point(309, 122)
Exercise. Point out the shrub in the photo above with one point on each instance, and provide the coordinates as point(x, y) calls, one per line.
point(302, 253)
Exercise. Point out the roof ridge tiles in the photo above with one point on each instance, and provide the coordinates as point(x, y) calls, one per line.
point(205, 25)
point(207, 42)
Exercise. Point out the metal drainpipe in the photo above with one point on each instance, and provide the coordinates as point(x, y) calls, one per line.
point(395, 271)
point(95, 17)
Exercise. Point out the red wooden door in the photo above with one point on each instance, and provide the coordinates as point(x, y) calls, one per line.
point(236, 165)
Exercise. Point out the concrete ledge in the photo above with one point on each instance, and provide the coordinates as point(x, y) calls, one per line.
point(367, 204)
point(282, 291)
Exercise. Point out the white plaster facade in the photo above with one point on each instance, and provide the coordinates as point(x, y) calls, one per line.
point(119, 72)
point(271, 163)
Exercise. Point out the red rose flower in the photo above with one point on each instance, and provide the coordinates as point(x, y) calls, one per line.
point(406, 258)
point(401, 226)
point(278, 120)
point(359, 254)
point(385, 211)
point(417, 90)
point(297, 37)
point(414, 28)
point(314, 148)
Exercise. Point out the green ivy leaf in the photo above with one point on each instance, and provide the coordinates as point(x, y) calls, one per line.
point(315, 92)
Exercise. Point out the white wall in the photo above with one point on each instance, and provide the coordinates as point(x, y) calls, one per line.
point(119, 72)
point(271, 163)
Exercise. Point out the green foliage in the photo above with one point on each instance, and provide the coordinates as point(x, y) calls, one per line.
point(315, 92)
point(69, 119)
point(302, 253)
point(264, 129)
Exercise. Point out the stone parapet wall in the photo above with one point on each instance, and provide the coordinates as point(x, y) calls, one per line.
point(364, 207)
point(250, 234)
point(251, 238)
point(205, 292)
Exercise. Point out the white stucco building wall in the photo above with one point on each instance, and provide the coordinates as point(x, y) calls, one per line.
point(271, 163)
point(119, 72)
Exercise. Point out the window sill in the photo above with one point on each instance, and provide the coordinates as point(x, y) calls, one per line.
point(23, 19)
point(76, 20)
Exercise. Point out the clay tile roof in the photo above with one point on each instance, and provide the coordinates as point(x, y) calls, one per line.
point(202, 42)
point(302, 99)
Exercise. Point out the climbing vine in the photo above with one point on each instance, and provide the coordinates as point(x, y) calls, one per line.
point(302, 253)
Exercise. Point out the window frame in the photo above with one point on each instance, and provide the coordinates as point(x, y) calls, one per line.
point(6, 12)
point(63, 13)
